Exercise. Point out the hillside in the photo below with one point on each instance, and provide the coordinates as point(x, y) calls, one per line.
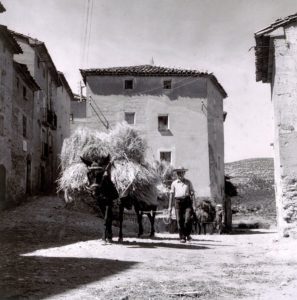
point(254, 179)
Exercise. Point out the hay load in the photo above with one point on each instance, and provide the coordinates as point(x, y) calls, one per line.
point(125, 142)
point(129, 173)
point(83, 142)
point(74, 178)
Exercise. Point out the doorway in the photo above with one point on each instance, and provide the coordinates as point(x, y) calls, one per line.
point(2, 186)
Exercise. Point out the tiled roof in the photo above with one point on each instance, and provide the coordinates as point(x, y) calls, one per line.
point(263, 49)
point(149, 70)
point(278, 23)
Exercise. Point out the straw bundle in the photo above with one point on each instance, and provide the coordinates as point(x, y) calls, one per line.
point(129, 176)
point(125, 142)
point(73, 178)
point(83, 142)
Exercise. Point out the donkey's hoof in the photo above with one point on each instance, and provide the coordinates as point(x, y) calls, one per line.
point(108, 241)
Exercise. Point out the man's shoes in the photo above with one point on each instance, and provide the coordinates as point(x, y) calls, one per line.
point(183, 240)
point(189, 238)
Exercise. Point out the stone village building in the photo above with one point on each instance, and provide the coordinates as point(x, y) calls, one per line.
point(51, 110)
point(8, 47)
point(34, 117)
point(179, 112)
point(276, 63)
point(78, 112)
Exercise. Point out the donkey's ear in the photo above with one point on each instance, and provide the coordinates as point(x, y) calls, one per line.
point(86, 161)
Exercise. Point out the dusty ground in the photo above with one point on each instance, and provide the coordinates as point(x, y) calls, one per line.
point(48, 252)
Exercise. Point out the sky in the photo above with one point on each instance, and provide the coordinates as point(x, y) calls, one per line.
point(216, 36)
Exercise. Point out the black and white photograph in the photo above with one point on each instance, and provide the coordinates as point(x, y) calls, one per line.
point(148, 149)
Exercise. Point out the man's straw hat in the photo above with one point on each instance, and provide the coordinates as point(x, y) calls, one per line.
point(180, 169)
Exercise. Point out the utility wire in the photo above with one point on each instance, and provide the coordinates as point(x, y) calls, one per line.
point(90, 32)
point(99, 115)
point(87, 31)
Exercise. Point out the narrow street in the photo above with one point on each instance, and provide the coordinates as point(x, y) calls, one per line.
point(49, 252)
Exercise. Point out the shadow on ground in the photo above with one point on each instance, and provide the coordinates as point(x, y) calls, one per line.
point(22, 280)
point(41, 226)
point(250, 231)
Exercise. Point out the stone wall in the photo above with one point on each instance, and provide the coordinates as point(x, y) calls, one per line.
point(62, 108)
point(6, 75)
point(284, 95)
point(214, 110)
point(22, 149)
point(44, 166)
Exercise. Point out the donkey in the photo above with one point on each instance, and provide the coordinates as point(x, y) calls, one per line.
point(104, 191)
point(204, 214)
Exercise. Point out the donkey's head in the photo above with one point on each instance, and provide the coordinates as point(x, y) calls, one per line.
point(98, 174)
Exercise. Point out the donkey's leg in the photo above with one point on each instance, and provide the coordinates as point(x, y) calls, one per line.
point(121, 217)
point(139, 220)
point(204, 227)
point(152, 216)
point(108, 223)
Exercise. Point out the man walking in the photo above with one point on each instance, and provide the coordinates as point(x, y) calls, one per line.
point(182, 192)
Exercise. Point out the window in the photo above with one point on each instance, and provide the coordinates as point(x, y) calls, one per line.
point(167, 84)
point(38, 62)
point(165, 155)
point(24, 92)
point(129, 84)
point(130, 117)
point(24, 126)
point(163, 123)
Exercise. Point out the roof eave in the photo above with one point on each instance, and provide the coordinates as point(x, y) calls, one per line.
point(41, 46)
point(12, 43)
point(66, 84)
point(26, 75)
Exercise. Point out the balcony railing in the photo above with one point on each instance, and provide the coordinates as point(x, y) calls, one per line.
point(49, 118)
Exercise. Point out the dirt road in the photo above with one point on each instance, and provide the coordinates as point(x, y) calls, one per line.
point(48, 252)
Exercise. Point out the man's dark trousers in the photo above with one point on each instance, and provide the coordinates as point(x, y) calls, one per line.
point(183, 212)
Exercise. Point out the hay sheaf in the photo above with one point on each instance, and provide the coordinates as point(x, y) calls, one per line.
point(83, 142)
point(126, 142)
point(135, 179)
point(73, 178)
point(129, 173)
